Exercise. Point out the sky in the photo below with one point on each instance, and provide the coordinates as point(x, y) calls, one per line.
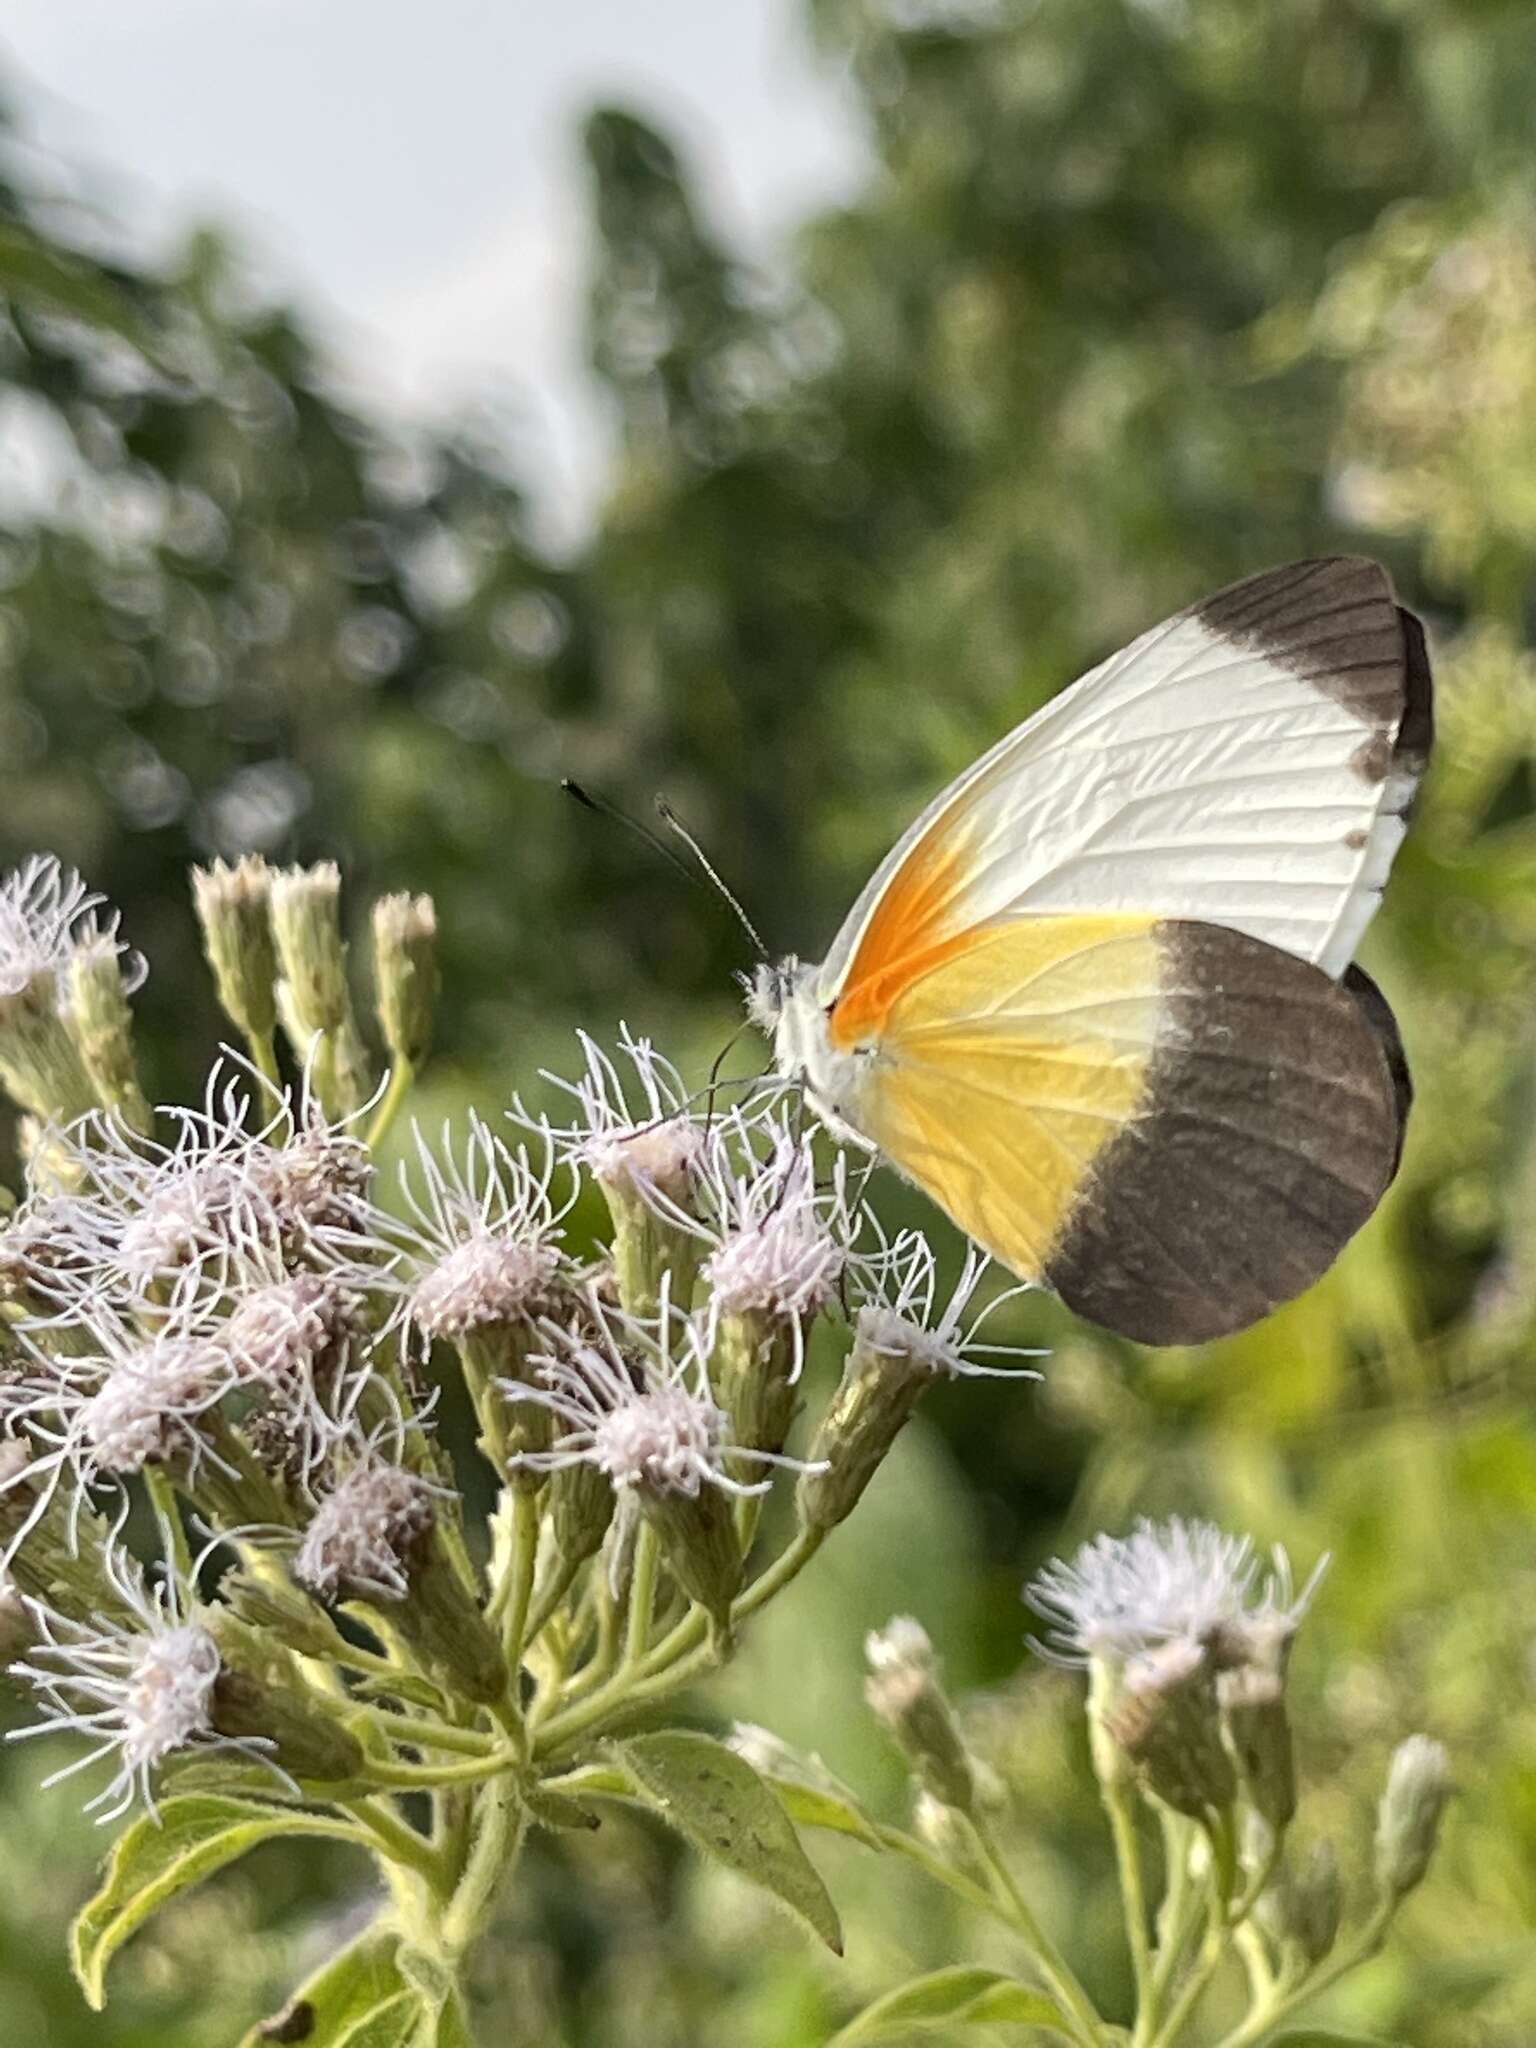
point(409, 168)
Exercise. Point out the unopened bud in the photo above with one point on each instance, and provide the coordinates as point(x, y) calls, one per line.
point(650, 1255)
point(234, 908)
point(579, 1505)
point(752, 1371)
point(1408, 1819)
point(877, 1394)
point(405, 974)
point(101, 1024)
point(1317, 1902)
point(313, 997)
point(697, 1532)
point(943, 1828)
point(271, 1604)
point(1259, 1735)
point(1167, 1722)
point(58, 1559)
point(40, 1063)
point(903, 1690)
point(259, 1695)
point(18, 1631)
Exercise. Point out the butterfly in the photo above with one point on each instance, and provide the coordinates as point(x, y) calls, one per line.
point(1098, 1001)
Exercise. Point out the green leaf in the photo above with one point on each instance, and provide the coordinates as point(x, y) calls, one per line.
point(716, 1799)
point(55, 281)
point(157, 1857)
point(354, 1983)
point(945, 1999)
point(393, 2023)
point(1329, 2037)
point(814, 1806)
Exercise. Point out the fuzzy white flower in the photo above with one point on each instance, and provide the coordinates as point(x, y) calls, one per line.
point(632, 1399)
point(141, 1688)
point(631, 1135)
point(779, 1245)
point(1122, 1596)
point(47, 917)
point(907, 1317)
point(251, 1163)
point(366, 1533)
point(483, 1248)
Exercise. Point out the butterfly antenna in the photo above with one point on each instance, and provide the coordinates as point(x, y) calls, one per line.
point(653, 840)
point(674, 823)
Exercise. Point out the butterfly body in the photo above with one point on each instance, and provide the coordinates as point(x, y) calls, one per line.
point(1098, 1001)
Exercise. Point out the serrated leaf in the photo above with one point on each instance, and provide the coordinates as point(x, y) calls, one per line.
point(716, 1799)
point(193, 1836)
point(946, 1999)
point(353, 1984)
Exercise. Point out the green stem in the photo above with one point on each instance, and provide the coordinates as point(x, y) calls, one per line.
point(262, 1048)
point(498, 1840)
point(418, 1734)
point(1058, 1973)
point(384, 1831)
point(421, 1777)
point(520, 1571)
point(1360, 1950)
point(1122, 1825)
point(1175, 1923)
point(394, 1097)
point(642, 1599)
point(679, 1656)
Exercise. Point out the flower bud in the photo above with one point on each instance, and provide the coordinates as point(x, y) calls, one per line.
point(903, 1690)
point(234, 908)
point(272, 1605)
point(1317, 1903)
point(405, 974)
point(18, 1631)
point(650, 1255)
point(753, 1372)
point(313, 997)
point(1408, 1819)
point(1167, 1722)
point(580, 1506)
point(57, 1561)
point(101, 1024)
point(40, 1063)
point(1259, 1735)
point(259, 1694)
point(697, 1532)
point(375, 1538)
point(878, 1392)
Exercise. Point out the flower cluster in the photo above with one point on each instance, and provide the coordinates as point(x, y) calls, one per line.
point(224, 1307)
point(244, 1377)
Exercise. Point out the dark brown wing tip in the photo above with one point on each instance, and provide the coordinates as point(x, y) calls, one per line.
point(1416, 731)
point(1334, 621)
point(1271, 1127)
point(1379, 1015)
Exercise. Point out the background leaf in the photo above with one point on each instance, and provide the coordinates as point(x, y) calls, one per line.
point(946, 1999)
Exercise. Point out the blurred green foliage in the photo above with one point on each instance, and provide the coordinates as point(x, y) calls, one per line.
point(1139, 297)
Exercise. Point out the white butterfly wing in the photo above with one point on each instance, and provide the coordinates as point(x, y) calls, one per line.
point(1248, 763)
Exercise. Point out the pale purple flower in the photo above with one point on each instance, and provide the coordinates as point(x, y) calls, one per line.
point(142, 1691)
point(482, 1246)
point(632, 1398)
point(632, 1134)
